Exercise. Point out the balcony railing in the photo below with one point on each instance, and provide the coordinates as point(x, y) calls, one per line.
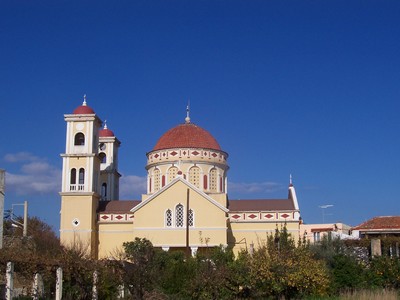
point(76, 187)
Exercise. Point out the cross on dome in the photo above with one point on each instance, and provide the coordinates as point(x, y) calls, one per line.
point(84, 100)
point(187, 119)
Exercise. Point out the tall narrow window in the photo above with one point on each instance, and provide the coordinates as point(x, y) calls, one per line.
point(79, 139)
point(317, 236)
point(104, 191)
point(156, 180)
point(81, 176)
point(213, 180)
point(179, 216)
point(194, 176)
point(205, 183)
point(168, 218)
point(73, 176)
point(172, 173)
point(191, 218)
point(103, 157)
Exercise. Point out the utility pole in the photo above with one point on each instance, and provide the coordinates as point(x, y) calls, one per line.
point(188, 252)
point(323, 207)
point(2, 192)
point(25, 233)
point(16, 223)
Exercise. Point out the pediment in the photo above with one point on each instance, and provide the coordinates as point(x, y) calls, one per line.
point(178, 184)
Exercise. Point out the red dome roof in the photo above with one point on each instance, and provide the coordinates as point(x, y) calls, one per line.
point(106, 133)
point(83, 110)
point(187, 135)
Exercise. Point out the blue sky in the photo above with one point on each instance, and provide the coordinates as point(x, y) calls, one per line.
point(308, 88)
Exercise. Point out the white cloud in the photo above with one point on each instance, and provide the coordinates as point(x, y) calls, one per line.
point(254, 187)
point(132, 186)
point(20, 157)
point(36, 176)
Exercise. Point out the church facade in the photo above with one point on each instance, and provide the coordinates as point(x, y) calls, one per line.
point(186, 205)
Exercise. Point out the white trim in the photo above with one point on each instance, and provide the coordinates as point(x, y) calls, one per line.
point(115, 231)
point(295, 202)
point(188, 184)
point(76, 230)
point(179, 228)
point(260, 230)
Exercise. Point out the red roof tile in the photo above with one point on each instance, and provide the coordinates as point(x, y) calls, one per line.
point(117, 206)
point(83, 110)
point(187, 135)
point(106, 133)
point(385, 222)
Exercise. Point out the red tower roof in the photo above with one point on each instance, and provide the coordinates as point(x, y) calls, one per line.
point(187, 135)
point(83, 109)
point(106, 133)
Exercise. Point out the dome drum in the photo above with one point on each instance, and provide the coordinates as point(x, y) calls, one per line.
point(187, 154)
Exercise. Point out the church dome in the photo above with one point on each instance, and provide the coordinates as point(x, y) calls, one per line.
point(83, 109)
point(187, 135)
point(106, 133)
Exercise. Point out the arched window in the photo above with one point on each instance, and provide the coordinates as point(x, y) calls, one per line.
point(194, 176)
point(81, 176)
point(179, 216)
point(73, 176)
point(168, 218)
point(104, 191)
point(213, 180)
point(103, 157)
point(156, 180)
point(172, 173)
point(79, 139)
point(191, 218)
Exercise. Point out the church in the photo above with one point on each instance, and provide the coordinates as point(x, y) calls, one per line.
point(186, 206)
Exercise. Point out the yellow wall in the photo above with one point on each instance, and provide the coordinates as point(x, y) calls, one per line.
point(242, 234)
point(82, 208)
point(111, 238)
point(209, 219)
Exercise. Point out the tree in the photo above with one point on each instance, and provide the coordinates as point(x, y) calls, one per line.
point(139, 276)
point(281, 269)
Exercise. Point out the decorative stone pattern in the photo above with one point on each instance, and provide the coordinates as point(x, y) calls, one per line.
point(260, 216)
point(115, 218)
point(187, 154)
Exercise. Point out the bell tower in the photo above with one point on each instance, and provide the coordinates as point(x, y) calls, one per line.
point(80, 180)
point(108, 154)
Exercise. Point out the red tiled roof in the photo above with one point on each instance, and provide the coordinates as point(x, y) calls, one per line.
point(187, 135)
point(117, 206)
point(83, 110)
point(260, 205)
point(106, 133)
point(386, 222)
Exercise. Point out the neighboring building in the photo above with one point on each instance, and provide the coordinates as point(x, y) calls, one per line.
point(186, 205)
point(378, 227)
point(316, 232)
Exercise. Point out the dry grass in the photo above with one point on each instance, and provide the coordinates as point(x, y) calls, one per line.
point(371, 295)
